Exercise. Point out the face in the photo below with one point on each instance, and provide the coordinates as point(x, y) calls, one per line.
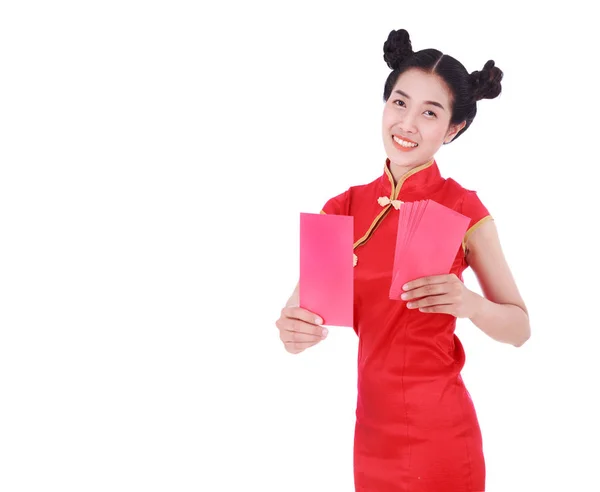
point(416, 119)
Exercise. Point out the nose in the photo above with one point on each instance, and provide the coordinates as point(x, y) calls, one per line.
point(407, 122)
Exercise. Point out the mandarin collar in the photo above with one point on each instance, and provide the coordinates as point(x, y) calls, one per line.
point(418, 181)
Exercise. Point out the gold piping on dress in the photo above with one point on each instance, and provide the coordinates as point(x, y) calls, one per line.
point(472, 229)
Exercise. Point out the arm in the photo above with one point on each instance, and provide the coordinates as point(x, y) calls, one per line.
point(502, 313)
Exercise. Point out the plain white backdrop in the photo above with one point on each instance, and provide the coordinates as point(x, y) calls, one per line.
point(154, 160)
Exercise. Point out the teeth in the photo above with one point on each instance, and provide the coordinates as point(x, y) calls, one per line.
point(404, 143)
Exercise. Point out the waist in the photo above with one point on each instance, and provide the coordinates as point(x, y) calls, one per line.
point(434, 402)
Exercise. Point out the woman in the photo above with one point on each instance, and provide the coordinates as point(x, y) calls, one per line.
point(416, 426)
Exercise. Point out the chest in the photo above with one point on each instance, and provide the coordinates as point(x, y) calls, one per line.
point(375, 236)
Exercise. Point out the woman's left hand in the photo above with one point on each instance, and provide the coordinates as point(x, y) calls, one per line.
point(441, 294)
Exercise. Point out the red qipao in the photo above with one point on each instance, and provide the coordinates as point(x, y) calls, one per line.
point(416, 426)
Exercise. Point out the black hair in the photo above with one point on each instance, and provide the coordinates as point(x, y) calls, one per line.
point(465, 88)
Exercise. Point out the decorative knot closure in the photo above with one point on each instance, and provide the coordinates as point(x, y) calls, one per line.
point(384, 201)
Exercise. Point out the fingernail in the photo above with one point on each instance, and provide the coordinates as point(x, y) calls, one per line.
point(318, 321)
point(404, 296)
point(410, 305)
point(324, 332)
point(405, 287)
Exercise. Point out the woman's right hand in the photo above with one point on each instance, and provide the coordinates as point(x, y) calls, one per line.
point(299, 329)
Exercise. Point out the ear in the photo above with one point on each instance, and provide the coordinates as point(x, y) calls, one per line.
point(453, 131)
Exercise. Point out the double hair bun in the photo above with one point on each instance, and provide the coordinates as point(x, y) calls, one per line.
point(485, 83)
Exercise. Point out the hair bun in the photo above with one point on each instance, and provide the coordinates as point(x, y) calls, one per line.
point(397, 48)
point(486, 83)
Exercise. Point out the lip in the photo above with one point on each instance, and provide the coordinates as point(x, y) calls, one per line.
point(403, 138)
point(400, 147)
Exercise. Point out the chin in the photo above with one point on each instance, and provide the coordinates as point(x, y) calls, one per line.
point(405, 159)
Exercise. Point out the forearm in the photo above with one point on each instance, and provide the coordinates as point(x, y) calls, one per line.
point(505, 323)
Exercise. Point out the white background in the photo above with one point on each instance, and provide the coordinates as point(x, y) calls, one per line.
point(154, 159)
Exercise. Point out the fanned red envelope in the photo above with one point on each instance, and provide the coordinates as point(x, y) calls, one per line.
point(429, 236)
point(326, 267)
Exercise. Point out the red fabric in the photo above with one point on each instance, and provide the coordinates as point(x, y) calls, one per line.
point(416, 426)
point(338, 205)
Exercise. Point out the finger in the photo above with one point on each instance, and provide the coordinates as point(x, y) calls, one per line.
point(443, 308)
point(301, 314)
point(297, 326)
point(296, 348)
point(420, 282)
point(295, 342)
point(426, 290)
point(299, 337)
point(430, 301)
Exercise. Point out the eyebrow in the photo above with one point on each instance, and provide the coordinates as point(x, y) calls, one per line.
point(433, 103)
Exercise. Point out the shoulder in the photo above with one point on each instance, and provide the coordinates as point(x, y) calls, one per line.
point(459, 189)
point(340, 204)
point(469, 202)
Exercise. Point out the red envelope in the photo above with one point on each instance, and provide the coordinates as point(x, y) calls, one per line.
point(326, 267)
point(429, 236)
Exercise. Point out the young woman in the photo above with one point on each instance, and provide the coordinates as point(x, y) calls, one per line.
point(416, 426)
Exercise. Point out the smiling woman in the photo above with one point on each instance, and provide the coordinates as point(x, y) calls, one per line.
point(416, 425)
point(430, 100)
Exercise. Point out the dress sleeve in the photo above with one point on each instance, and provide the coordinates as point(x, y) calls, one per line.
point(473, 208)
point(338, 205)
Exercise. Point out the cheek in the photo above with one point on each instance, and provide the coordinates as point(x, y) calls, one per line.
point(387, 118)
point(434, 133)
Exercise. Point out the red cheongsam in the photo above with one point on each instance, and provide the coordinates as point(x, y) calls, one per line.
point(416, 426)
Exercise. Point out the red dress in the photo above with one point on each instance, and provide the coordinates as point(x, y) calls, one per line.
point(416, 426)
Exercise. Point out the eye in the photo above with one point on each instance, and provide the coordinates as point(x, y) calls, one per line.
point(400, 101)
point(432, 113)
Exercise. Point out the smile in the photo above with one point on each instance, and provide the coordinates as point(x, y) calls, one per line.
point(404, 143)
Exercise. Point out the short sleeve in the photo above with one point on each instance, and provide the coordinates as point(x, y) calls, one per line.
point(473, 208)
point(338, 205)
